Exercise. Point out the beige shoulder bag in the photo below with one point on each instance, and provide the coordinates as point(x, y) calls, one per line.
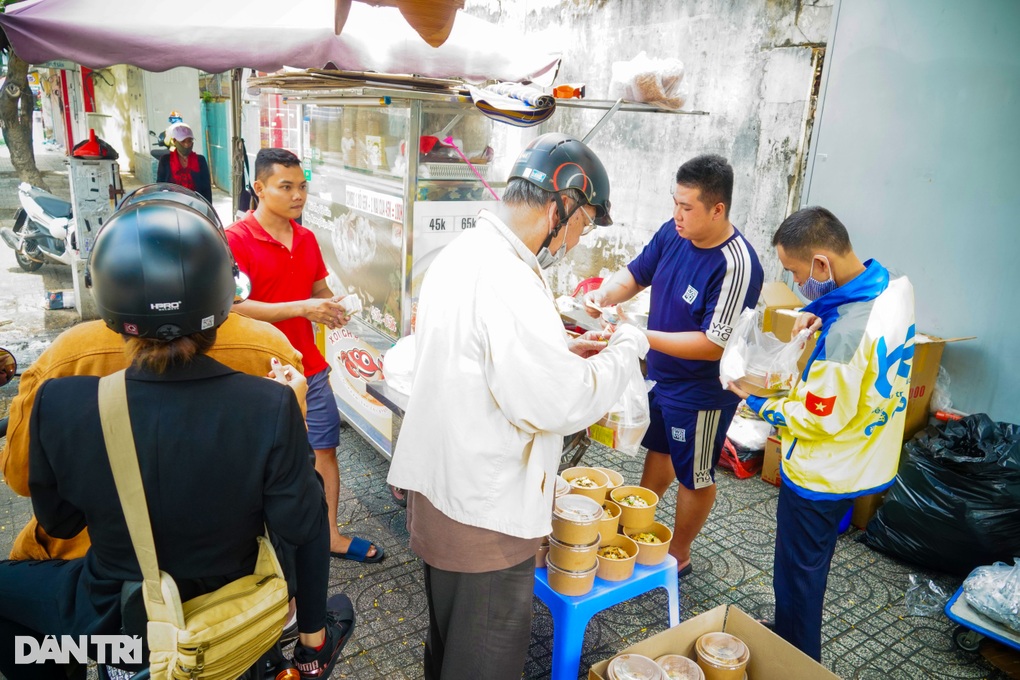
point(218, 635)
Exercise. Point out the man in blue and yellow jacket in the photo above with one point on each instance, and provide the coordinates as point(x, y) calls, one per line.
point(842, 424)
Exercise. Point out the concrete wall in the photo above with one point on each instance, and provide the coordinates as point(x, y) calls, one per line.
point(749, 65)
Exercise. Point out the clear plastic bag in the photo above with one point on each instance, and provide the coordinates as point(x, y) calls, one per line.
point(995, 592)
point(924, 598)
point(625, 425)
point(758, 362)
point(652, 81)
point(940, 398)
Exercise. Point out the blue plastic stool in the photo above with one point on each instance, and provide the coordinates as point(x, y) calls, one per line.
point(571, 614)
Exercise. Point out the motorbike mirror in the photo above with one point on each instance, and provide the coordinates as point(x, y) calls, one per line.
point(242, 287)
point(8, 366)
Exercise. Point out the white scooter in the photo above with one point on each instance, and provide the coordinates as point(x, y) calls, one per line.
point(43, 229)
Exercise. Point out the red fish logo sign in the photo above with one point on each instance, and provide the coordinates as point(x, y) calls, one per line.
point(361, 365)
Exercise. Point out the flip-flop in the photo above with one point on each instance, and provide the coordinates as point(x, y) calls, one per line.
point(686, 571)
point(358, 551)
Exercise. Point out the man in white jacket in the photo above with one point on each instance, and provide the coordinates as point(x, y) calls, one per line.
point(497, 385)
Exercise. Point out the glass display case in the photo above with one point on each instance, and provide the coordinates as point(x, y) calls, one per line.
point(392, 180)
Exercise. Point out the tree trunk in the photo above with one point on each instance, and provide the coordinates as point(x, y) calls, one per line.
point(17, 103)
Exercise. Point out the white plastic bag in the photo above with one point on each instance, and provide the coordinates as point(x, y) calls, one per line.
point(759, 362)
point(748, 434)
point(652, 81)
point(399, 361)
point(995, 592)
point(625, 425)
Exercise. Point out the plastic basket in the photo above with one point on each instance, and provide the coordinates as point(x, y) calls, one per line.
point(587, 286)
point(451, 171)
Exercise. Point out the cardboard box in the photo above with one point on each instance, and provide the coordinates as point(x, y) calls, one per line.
point(865, 508)
point(770, 464)
point(923, 372)
point(755, 384)
point(772, 658)
point(776, 295)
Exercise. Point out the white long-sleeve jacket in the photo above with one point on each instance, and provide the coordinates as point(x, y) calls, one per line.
point(495, 387)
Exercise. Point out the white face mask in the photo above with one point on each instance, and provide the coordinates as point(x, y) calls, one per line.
point(547, 259)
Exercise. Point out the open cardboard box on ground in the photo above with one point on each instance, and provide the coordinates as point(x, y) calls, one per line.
point(772, 658)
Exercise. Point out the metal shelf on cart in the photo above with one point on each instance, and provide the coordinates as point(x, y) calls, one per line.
point(371, 96)
point(606, 104)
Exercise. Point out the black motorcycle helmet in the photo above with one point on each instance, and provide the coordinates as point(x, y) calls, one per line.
point(165, 191)
point(161, 269)
point(556, 161)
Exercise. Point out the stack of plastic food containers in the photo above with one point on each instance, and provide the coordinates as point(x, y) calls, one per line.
point(573, 545)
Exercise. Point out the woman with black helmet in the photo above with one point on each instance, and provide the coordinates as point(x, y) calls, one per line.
point(222, 454)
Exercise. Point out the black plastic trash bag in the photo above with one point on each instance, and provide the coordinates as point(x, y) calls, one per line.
point(955, 504)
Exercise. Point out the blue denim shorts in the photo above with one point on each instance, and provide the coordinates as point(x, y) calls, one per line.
point(322, 417)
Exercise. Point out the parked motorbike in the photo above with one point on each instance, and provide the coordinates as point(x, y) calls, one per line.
point(43, 229)
point(158, 148)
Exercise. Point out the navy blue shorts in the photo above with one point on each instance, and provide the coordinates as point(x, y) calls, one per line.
point(693, 439)
point(322, 417)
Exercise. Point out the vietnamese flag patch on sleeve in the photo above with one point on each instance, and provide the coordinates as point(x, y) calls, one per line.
point(820, 406)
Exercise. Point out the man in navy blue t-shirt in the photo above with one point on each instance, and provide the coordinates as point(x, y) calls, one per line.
point(703, 273)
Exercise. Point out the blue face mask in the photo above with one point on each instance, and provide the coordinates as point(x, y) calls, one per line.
point(811, 289)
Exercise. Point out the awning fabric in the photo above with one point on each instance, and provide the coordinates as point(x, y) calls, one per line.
point(266, 35)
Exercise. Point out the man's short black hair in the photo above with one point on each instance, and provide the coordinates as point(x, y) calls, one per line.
point(808, 229)
point(712, 176)
point(265, 159)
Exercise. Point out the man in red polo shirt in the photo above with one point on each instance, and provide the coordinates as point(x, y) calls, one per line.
point(288, 279)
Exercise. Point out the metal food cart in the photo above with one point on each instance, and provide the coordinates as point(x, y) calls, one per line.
point(385, 196)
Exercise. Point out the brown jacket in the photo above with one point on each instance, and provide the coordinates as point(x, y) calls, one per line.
point(90, 348)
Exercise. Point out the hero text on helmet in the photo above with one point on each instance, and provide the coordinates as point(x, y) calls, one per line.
point(160, 269)
point(555, 162)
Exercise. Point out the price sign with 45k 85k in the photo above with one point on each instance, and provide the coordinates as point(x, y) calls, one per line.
point(436, 224)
